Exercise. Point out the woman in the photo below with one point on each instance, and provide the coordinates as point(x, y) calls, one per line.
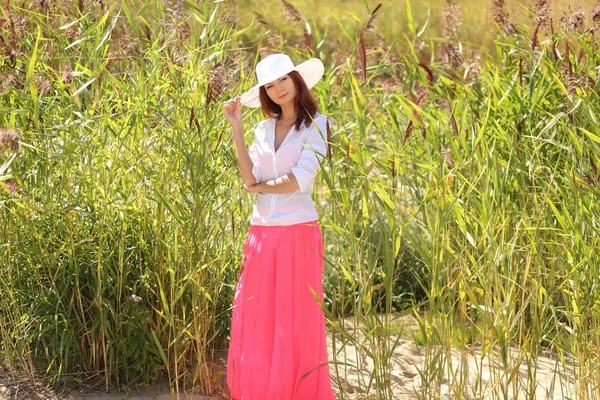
point(278, 348)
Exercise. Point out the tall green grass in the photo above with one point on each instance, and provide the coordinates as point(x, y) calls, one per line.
point(468, 200)
point(120, 248)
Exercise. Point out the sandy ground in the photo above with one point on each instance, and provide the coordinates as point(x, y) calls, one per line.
point(483, 375)
point(481, 371)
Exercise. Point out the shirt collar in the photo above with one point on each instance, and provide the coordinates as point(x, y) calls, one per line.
point(271, 136)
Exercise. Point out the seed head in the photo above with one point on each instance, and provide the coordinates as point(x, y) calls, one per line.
point(73, 31)
point(472, 67)
point(420, 102)
point(450, 55)
point(421, 98)
point(42, 85)
point(42, 4)
point(451, 16)
point(542, 11)
point(9, 139)
point(447, 156)
point(67, 74)
point(17, 28)
point(370, 27)
point(126, 45)
point(11, 186)
point(218, 82)
point(362, 55)
point(534, 39)
point(4, 83)
point(261, 19)
point(596, 15)
point(230, 17)
point(307, 41)
point(502, 18)
point(271, 45)
point(183, 31)
point(428, 71)
point(13, 80)
point(573, 20)
point(290, 12)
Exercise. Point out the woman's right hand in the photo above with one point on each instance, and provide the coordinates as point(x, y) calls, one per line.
point(233, 111)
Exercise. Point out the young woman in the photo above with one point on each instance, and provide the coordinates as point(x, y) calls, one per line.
point(278, 348)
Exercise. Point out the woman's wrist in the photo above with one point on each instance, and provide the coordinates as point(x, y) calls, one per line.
point(238, 133)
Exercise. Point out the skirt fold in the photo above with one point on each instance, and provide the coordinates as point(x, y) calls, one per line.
point(278, 328)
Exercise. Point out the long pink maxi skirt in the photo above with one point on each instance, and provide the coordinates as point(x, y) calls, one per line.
point(278, 328)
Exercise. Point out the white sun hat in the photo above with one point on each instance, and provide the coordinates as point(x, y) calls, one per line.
point(277, 65)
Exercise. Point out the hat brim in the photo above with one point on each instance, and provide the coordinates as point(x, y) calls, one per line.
point(311, 71)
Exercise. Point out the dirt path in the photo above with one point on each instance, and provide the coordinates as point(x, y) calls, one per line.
point(481, 374)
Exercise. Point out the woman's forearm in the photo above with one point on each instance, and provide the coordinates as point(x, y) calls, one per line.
point(244, 161)
point(283, 184)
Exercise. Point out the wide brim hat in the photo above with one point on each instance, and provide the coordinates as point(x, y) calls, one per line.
point(274, 67)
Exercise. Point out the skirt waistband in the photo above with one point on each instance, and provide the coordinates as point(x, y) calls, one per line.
point(309, 223)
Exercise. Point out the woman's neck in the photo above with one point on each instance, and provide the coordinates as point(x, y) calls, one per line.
point(288, 113)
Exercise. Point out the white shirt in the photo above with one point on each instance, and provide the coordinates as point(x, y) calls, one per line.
point(300, 152)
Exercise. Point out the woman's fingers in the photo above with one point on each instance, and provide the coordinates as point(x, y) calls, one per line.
point(232, 106)
point(229, 105)
point(235, 100)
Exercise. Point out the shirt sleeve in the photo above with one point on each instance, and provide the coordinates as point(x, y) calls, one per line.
point(311, 155)
point(253, 152)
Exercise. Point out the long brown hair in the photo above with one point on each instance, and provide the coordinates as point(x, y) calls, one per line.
point(305, 103)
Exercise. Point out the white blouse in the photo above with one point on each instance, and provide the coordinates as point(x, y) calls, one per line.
point(301, 153)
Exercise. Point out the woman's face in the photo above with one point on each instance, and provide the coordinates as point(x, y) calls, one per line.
point(281, 90)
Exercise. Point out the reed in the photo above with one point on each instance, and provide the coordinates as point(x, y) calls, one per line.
point(123, 217)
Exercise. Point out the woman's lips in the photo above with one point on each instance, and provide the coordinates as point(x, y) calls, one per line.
point(283, 95)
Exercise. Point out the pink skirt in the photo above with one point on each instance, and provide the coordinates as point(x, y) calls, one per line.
point(277, 327)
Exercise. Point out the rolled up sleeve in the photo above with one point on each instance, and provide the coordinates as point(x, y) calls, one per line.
point(311, 155)
point(253, 152)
